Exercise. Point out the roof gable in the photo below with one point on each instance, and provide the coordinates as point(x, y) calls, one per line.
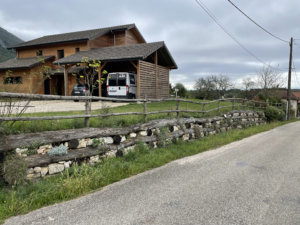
point(74, 36)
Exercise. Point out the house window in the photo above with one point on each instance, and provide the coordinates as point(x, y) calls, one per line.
point(77, 49)
point(39, 53)
point(13, 80)
point(60, 54)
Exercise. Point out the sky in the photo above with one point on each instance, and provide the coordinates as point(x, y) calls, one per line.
point(198, 45)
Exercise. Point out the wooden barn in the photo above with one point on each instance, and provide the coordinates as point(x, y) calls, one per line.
point(119, 49)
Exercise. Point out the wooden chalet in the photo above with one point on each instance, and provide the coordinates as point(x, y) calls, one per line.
point(119, 49)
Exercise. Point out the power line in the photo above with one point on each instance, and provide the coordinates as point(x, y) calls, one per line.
point(273, 35)
point(211, 15)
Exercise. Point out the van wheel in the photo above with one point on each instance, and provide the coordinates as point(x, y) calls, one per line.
point(76, 100)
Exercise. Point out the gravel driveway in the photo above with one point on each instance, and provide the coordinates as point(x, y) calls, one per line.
point(63, 106)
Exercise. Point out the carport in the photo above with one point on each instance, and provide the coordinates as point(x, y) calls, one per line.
point(151, 62)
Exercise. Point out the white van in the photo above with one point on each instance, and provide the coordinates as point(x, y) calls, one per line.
point(121, 85)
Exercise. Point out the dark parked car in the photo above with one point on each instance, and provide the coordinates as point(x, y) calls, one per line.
point(80, 90)
point(83, 90)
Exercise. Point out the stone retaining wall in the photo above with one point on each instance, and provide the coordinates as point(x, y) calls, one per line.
point(91, 150)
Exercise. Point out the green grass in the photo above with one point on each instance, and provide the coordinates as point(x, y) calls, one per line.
point(113, 121)
point(78, 181)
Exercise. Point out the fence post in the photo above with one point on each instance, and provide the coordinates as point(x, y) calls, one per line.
point(233, 104)
point(203, 109)
point(177, 108)
point(253, 106)
point(218, 105)
point(145, 110)
point(87, 112)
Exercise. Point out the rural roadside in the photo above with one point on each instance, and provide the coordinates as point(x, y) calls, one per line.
point(282, 134)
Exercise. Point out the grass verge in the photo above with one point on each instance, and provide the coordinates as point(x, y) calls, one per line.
point(113, 121)
point(81, 180)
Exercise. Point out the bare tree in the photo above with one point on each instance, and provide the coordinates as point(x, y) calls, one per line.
point(222, 84)
point(267, 79)
point(248, 84)
point(212, 86)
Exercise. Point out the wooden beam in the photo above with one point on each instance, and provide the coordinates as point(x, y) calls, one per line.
point(138, 80)
point(156, 74)
point(134, 65)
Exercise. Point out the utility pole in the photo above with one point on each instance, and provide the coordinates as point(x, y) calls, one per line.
point(289, 80)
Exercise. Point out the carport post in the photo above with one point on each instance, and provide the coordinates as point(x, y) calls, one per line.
point(65, 80)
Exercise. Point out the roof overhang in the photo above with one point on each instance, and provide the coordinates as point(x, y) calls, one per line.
point(122, 53)
point(47, 44)
point(24, 63)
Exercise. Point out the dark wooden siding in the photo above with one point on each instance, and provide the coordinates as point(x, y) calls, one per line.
point(131, 38)
point(147, 81)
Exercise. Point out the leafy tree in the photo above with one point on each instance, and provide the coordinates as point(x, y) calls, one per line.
point(182, 91)
point(171, 89)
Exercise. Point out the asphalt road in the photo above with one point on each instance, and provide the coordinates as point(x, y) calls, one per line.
point(253, 181)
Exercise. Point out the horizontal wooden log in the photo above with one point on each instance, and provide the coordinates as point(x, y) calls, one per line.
point(84, 98)
point(25, 140)
point(75, 154)
point(111, 114)
point(42, 160)
point(66, 117)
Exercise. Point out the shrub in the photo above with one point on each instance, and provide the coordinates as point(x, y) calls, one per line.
point(162, 137)
point(14, 169)
point(58, 151)
point(97, 142)
point(197, 131)
point(141, 147)
point(274, 114)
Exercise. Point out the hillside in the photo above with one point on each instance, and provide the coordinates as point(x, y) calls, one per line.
point(7, 39)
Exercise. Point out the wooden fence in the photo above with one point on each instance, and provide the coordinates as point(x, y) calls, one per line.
point(235, 104)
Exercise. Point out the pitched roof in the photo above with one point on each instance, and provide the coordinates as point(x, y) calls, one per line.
point(74, 36)
point(123, 53)
point(23, 63)
point(282, 94)
point(296, 94)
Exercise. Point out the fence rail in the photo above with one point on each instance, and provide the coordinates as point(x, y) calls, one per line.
point(235, 103)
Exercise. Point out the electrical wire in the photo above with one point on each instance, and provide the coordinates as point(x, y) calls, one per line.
point(273, 35)
point(214, 18)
